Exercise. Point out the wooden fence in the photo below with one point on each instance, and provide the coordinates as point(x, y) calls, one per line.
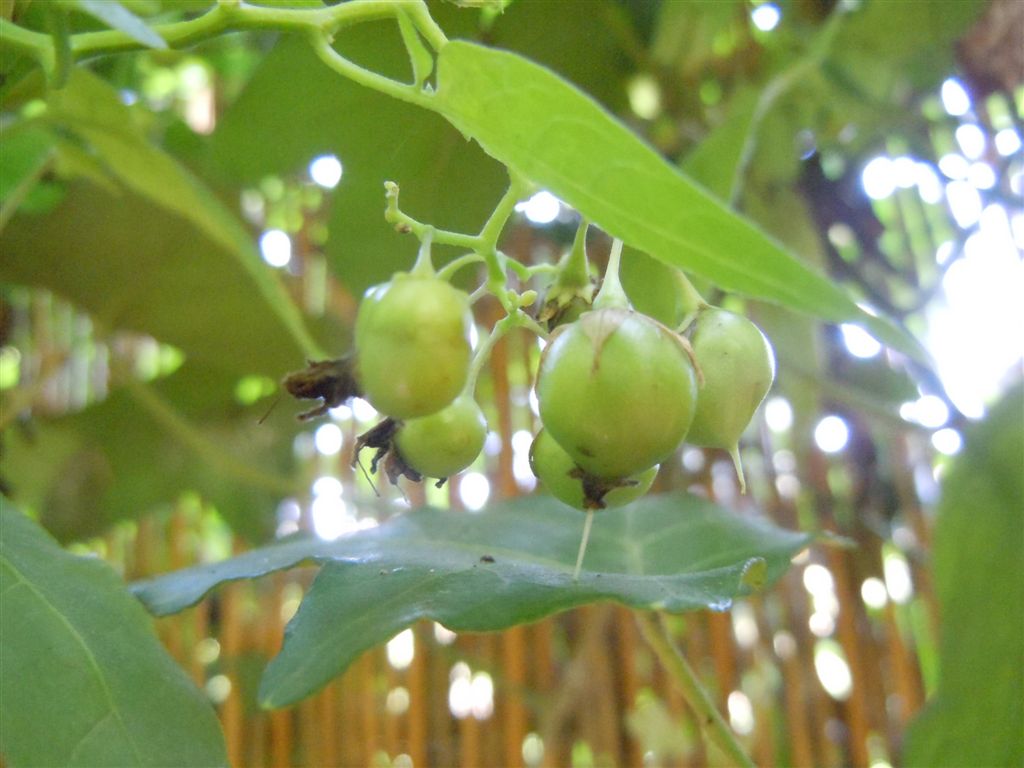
point(824, 669)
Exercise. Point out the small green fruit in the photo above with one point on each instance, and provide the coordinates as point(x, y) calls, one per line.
point(412, 340)
point(446, 442)
point(565, 481)
point(616, 391)
point(739, 367)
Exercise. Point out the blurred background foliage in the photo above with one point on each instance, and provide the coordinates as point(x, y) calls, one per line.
point(174, 221)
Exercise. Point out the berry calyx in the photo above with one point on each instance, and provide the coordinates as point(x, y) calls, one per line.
point(571, 485)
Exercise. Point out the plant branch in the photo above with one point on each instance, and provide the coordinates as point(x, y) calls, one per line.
point(448, 270)
point(711, 723)
point(396, 90)
point(403, 222)
point(776, 89)
point(231, 16)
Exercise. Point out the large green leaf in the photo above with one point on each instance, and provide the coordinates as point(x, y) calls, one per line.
point(302, 109)
point(885, 46)
point(298, 106)
point(83, 679)
point(109, 255)
point(977, 714)
point(476, 572)
point(535, 122)
point(134, 266)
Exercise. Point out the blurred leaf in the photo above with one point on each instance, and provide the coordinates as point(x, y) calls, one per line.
point(83, 678)
point(24, 154)
point(685, 34)
point(673, 552)
point(977, 714)
point(143, 447)
point(135, 266)
point(92, 110)
point(533, 121)
point(302, 109)
point(884, 44)
point(116, 16)
point(713, 162)
point(581, 40)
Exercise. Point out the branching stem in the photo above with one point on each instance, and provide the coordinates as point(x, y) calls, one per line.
point(227, 17)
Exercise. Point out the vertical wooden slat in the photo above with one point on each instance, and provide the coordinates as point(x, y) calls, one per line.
point(231, 643)
point(626, 641)
point(281, 734)
point(418, 701)
point(327, 712)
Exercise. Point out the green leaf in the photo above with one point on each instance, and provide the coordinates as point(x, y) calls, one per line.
point(24, 154)
point(134, 266)
point(302, 109)
point(298, 106)
point(533, 121)
point(83, 678)
point(92, 110)
point(116, 16)
point(884, 45)
point(977, 714)
point(714, 161)
point(487, 571)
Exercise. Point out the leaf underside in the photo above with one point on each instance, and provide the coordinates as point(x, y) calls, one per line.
point(534, 122)
point(488, 571)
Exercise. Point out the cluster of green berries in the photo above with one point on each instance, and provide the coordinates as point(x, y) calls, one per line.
point(618, 391)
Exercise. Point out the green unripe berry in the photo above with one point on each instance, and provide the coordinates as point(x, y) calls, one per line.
point(446, 442)
point(561, 477)
point(738, 367)
point(616, 391)
point(412, 340)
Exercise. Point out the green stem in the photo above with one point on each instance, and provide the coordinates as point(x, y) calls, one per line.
point(611, 293)
point(403, 222)
point(516, 319)
point(712, 724)
point(424, 266)
point(488, 244)
point(26, 42)
point(341, 65)
point(227, 17)
point(776, 89)
point(491, 231)
point(448, 270)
